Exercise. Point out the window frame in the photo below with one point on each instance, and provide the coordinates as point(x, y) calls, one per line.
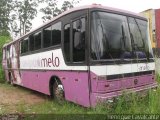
point(65, 58)
point(86, 61)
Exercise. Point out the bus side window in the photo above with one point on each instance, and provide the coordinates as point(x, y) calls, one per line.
point(47, 37)
point(67, 42)
point(79, 29)
point(31, 42)
point(56, 33)
point(24, 45)
point(37, 38)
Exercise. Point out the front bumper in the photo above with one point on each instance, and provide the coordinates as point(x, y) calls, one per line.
point(102, 97)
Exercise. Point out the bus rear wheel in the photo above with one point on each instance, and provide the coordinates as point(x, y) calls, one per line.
point(10, 78)
point(58, 91)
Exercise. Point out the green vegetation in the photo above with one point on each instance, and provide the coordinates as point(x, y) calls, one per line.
point(3, 40)
point(49, 109)
point(127, 104)
point(17, 15)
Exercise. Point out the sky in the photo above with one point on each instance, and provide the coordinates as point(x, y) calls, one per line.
point(129, 5)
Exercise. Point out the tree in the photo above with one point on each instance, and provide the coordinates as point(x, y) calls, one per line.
point(5, 9)
point(24, 12)
point(52, 10)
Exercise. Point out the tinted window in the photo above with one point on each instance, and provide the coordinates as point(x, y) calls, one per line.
point(31, 43)
point(47, 37)
point(67, 42)
point(24, 45)
point(109, 36)
point(139, 37)
point(79, 40)
point(37, 38)
point(56, 33)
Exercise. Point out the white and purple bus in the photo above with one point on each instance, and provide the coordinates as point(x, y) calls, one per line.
point(84, 55)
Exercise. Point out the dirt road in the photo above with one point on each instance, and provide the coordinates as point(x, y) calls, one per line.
point(11, 97)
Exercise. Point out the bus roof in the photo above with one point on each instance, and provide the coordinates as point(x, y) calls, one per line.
point(98, 6)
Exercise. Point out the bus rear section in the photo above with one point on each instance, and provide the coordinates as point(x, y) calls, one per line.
point(4, 62)
point(121, 58)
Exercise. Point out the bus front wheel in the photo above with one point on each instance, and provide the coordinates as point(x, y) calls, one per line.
point(58, 90)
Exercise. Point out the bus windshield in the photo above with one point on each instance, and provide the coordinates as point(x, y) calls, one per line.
point(115, 36)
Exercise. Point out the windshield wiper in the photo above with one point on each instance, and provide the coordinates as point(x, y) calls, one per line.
point(123, 38)
point(106, 39)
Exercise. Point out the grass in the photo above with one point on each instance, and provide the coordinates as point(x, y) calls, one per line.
point(149, 104)
point(135, 105)
point(50, 109)
point(126, 104)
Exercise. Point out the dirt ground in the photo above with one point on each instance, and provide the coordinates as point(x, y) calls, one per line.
point(11, 97)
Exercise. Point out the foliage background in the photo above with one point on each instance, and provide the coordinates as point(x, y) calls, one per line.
point(3, 40)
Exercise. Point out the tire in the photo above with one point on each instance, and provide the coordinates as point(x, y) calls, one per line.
point(11, 79)
point(58, 91)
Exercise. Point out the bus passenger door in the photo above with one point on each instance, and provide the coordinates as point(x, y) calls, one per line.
point(79, 58)
point(75, 54)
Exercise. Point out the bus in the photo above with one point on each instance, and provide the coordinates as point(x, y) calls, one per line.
point(85, 55)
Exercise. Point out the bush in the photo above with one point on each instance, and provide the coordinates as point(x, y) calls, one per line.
point(3, 40)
